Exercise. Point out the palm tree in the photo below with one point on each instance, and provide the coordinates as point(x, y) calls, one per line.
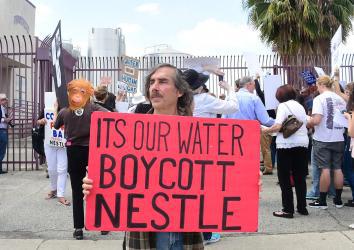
point(300, 26)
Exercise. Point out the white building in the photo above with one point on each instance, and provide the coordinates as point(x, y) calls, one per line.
point(17, 17)
point(17, 25)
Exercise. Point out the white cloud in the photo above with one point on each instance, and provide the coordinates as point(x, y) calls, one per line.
point(213, 37)
point(129, 28)
point(150, 8)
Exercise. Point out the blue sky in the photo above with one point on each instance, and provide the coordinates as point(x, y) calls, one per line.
point(198, 27)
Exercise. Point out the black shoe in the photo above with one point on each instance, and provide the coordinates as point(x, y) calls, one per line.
point(303, 211)
point(3, 172)
point(337, 203)
point(318, 204)
point(104, 232)
point(78, 234)
point(350, 203)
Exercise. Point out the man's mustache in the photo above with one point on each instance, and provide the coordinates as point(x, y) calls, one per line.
point(155, 94)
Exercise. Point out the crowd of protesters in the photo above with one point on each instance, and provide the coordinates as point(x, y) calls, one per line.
point(319, 140)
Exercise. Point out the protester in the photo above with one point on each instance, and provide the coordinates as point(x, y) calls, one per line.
point(101, 96)
point(76, 120)
point(268, 154)
point(328, 141)
point(291, 153)
point(350, 171)
point(251, 108)
point(4, 122)
point(169, 94)
point(57, 163)
point(206, 105)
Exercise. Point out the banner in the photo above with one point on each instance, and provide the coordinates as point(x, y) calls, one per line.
point(271, 84)
point(53, 137)
point(58, 68)
point(173, 174)
point(130, 73)
point(336, 49)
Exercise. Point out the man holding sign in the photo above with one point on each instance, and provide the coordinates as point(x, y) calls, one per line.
point(151, 177)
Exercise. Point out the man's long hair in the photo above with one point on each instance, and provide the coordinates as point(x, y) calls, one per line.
point(185, 102)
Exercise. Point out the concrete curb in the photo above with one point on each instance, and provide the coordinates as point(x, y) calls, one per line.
point(323, 241)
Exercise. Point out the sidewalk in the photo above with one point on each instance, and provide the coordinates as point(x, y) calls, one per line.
point(28, 221)
point(323, 241)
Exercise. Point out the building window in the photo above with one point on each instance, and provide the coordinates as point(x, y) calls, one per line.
point(20, 90)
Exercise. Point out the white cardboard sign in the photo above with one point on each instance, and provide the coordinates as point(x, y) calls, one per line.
point(271, 84)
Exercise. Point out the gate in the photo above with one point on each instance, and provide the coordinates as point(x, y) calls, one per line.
point(19, 80)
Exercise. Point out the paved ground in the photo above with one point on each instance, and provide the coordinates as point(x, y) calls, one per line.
point(28, 221)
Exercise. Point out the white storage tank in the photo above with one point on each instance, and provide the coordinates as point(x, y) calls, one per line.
point(106, 42)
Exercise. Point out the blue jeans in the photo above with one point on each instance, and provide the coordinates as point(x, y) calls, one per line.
point(316, 174)
point(348, 166)
point(3, 145)
point(169, 241)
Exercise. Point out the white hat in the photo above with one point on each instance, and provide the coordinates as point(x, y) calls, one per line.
point(2, 96)
point(138, 98)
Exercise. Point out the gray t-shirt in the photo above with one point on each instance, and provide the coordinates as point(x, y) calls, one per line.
point(77, 128)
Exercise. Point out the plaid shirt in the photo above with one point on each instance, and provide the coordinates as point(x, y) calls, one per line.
point(147, 240)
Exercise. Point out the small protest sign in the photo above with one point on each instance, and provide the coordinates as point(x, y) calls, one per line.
point(253, 65)
point(336, 49)
point(319, 71)
point(174, 174)
point(271, 84)
point(130, 73)
point(309, 78)
point(198, 63)
point(53, 137)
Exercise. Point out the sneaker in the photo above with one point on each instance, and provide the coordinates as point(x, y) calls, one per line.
point(317, 204)
point(337, 203)
point(214, 238)
point(350, 203)
point(310, 196)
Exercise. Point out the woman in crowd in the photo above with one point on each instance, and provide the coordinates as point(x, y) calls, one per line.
point(57, 166)
point(291, 153)
point(77, 119)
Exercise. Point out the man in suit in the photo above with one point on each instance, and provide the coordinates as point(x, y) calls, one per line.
point(4, 122)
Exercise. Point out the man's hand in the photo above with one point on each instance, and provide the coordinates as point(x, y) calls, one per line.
point(121, 96)
point(225, 85)
point(87, 186)
point(42, 121)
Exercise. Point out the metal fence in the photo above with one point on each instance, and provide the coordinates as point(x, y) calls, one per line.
point(234, 67)
point(25, 74)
